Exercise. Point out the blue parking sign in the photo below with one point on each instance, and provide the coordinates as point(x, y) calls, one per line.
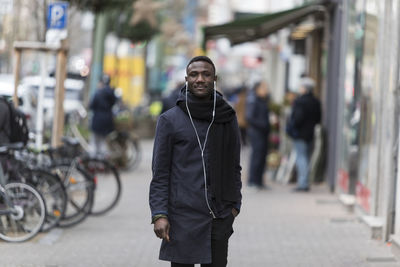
point(57, 15)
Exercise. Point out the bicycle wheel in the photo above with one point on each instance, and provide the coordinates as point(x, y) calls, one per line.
point(132, 153)
point(80, 192)
point(126, 151)
point(30, 213)
point(54, 194)
point(108, 184)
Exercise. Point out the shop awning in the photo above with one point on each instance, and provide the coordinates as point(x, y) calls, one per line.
point(249, 29)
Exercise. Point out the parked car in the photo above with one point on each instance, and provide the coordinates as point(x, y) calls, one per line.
point(73, 96)
point(28, 90)
point(6, 84)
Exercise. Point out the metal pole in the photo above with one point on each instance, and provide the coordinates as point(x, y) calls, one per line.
point(58, 121)
point(98, 52)
point(39, 112)
point(16, 75)
point(334, 92)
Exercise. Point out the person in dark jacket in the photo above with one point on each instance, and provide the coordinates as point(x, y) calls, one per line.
point(195, 192)
point(4, 122)
point(257, 116)
point(169, 101)
point(306, 113)
point(102, 121)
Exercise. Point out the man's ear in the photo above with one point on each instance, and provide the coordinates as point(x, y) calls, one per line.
point(215, 78)
point(186, 78)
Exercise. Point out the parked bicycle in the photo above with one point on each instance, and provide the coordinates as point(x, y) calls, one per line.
point(105, 175)
point(79, 185)
point(70, 160)
point(22, 209)
point(80, 190)
point(17, 167)
point(123, 144)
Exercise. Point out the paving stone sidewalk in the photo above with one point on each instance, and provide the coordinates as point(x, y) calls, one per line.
point(276, 228)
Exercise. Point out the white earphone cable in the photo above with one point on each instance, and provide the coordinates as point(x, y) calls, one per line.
point(202, 147)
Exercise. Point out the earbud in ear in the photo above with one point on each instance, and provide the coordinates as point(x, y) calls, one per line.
point(186, 83)
point(215, 85)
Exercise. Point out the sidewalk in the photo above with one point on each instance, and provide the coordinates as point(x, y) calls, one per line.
point(280, 228)
point(276, 228)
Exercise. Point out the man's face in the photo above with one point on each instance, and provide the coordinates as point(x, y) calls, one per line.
point(200, 78)
point(262, 90)
point(302, 90)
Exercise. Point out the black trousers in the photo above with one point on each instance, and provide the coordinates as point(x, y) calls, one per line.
point(221, 231)
point(259, 151)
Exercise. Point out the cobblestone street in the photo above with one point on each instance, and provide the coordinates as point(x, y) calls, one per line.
point(275, 228)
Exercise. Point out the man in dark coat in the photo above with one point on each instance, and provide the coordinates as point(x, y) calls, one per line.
point(306, 113)
point(169, 101)
point(195, 191)
point(102, 121)
point(257, 116)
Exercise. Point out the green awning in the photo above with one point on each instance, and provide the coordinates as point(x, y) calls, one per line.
point(249, 29)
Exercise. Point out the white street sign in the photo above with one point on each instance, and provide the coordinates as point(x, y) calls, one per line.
point(6, 7)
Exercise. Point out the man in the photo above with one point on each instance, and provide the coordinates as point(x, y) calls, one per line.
point(169, 101)
point(306, 113)
point(257, 116)
point(240, 108)
point(195, 191)
point(102, 121)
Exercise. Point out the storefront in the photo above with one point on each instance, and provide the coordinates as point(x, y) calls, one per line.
point(347, 176)
point(358, 161)
point(366, 163)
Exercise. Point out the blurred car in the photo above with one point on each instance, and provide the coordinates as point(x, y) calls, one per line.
point(6, 85)
point(28, 90)
point(73, 95)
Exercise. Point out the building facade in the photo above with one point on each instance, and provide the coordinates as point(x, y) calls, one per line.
point(368, 113)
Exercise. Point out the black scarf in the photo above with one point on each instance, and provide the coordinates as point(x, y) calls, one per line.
point(221, 142)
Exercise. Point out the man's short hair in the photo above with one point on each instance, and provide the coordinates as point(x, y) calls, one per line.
point(308, 83)
point(106, 79)
point(201, 58)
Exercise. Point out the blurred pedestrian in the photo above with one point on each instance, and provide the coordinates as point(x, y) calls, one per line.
point(102, 120)
point(195, 191)
point(257, 116)
point(240, 107)
point(177, 82)
point(306, 113)
point(169, 101)
point(4, 122)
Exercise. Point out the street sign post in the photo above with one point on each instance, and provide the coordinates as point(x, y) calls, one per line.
point(57, 16)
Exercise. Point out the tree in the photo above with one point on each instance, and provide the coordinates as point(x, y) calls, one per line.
point(120, 16)
point(116, 13)
point(97, 6)
point(120, 23)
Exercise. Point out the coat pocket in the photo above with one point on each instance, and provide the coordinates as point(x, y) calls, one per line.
point(222, 228)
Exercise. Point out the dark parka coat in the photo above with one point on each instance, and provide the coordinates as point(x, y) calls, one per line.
point(177, 187)
point(257, 116)
point(101, 105)
point(306, 113)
